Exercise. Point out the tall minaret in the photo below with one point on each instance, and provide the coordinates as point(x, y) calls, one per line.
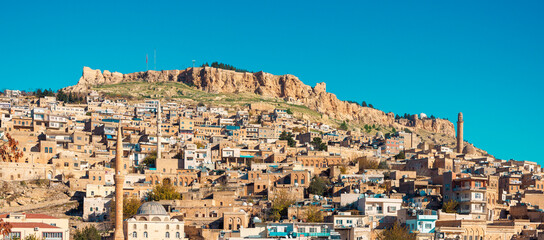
point(119, 180)
point(460, 133)
point(159, 134)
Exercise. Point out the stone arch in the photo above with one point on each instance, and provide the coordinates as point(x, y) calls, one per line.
point(158, 219)
point(167, 181)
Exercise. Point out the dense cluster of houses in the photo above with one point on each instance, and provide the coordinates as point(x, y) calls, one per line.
point(232, 164)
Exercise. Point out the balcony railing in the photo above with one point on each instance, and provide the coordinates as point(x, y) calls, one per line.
point(469, 188)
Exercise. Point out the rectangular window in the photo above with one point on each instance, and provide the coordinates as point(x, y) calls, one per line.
point(53, 235)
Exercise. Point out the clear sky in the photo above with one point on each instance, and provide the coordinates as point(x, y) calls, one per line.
point(484, 58)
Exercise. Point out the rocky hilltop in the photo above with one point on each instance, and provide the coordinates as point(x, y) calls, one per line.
point(287, 87)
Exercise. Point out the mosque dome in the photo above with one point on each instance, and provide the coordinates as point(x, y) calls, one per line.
point(151, 208)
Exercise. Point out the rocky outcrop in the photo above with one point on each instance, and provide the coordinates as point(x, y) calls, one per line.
point(287, 87)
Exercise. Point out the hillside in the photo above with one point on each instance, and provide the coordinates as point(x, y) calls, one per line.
point(215, 84)
point(181, 91)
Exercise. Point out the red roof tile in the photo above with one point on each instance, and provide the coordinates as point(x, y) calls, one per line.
point(30, 225)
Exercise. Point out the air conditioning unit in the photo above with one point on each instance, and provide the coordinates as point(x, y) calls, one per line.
point(36, 229)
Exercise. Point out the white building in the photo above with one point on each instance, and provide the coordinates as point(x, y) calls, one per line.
point(379, 208)
point(194, 157)
point(153, 222)
point(40, 225)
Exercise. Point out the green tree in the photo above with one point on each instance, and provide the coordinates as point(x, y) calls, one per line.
point(401, 155)
point(318, 186)
point(344, 126)
point(88, 233)
point(396, 232)
point(368, 128)
point(164, 191)
point(313, 214)
point(289, 111)
point(226, 66)
point(149, 160)
point(364, 104)
point(289, 137)
point(450, 206)
point(130, 207)
point(318, 144)
point(283, 199)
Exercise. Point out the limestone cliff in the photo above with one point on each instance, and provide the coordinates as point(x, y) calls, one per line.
point(287, 87)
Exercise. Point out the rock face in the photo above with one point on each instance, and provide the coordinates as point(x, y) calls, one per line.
point(287, 87)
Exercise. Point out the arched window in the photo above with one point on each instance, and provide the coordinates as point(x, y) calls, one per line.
point(167, 227)
point(167, 235)
point(145, 234)
point(134, 234)
point(135, 226)
point(145, 226)
point(178, 235)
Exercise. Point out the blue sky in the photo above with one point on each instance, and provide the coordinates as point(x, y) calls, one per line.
point(484, 58)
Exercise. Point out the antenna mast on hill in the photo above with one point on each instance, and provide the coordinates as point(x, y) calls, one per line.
point(193, 64)
point(155, 59)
